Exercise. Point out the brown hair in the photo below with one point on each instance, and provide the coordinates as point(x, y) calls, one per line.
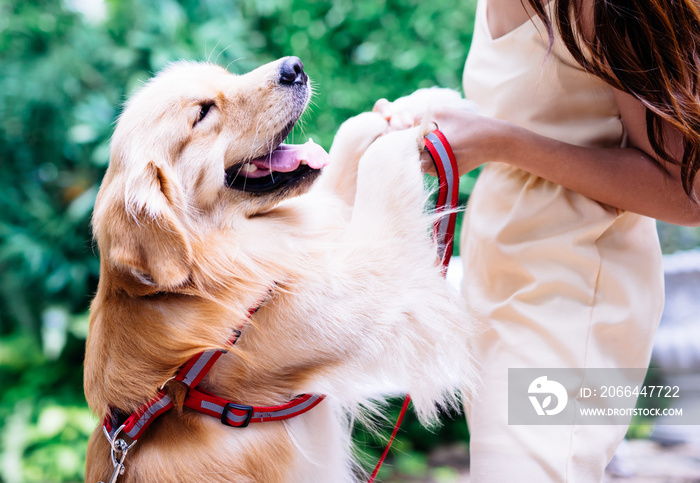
point(649, 49)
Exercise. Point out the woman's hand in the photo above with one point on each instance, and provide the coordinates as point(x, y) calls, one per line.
point(474, 139)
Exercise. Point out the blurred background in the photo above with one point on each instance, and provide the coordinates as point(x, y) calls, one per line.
point(66, 67)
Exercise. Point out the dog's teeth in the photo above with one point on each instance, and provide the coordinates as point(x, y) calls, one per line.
point(249, 168)
point(303, 161)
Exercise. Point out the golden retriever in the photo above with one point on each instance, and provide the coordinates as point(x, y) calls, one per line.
point(201, 215)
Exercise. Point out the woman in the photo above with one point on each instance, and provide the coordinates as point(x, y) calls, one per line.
point(588, 137)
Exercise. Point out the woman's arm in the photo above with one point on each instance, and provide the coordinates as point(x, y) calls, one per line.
point(626, 178)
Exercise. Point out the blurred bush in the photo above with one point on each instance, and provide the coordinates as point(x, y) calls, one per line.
point(66, 69)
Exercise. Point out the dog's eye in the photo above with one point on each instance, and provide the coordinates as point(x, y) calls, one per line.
point(204, 109)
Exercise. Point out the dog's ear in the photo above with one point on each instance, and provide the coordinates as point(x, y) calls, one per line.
point(139, 226)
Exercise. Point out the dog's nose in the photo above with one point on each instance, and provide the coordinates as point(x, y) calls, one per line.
point(292, 72)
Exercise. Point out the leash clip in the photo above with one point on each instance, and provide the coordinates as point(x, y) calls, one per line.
point(118, 450)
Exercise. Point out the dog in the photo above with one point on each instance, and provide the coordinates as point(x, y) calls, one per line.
point(203, 217)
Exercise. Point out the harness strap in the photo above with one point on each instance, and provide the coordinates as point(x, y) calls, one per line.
point(443, 231)
point(139, 420)
point(199, 365)
point(190, 374)
point(230, 414)
point(240, 415)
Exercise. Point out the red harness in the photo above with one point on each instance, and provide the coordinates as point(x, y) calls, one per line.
point(240, 415)
point(230, 414)
point(191, 374)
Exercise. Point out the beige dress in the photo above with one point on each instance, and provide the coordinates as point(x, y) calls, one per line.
point(557, 279)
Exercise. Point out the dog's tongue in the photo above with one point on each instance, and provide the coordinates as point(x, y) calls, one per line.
point(288, 157)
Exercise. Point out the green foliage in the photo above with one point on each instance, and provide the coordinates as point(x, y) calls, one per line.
point(675, 238)
point(67, 67)
point(413, 443)
point(359, 51)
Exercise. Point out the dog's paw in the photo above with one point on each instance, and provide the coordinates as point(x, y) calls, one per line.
point(356, 134)
point(390, 170)
point(351, 141)
point(425, 100)
point(417, 108)
point(395, 148)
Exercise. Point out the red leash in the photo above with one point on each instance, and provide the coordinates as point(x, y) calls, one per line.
point(443, 231)
point(391, 440)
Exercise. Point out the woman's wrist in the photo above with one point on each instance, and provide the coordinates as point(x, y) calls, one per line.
point(476, 139)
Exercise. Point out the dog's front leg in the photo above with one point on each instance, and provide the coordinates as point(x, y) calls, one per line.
point(419, 326)
point(390, 199)
point(351, 141)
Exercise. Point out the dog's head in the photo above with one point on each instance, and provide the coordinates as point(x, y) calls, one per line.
point(194, 149)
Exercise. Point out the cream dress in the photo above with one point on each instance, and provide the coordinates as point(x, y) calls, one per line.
point(557, 279)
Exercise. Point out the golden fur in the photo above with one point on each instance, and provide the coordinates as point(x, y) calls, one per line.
point(357, 309)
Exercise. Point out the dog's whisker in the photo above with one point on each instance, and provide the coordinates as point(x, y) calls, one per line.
point(212, 50)
point(233, 62)
point(216, 61)
point(255, 137)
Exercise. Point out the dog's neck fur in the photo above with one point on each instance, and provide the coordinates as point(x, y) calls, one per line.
point(139, 336)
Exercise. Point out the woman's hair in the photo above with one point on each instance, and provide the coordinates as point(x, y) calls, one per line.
point(649, 49)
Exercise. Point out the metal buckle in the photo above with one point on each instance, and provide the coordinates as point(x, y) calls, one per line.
point(241, 407)
point(118, 447)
